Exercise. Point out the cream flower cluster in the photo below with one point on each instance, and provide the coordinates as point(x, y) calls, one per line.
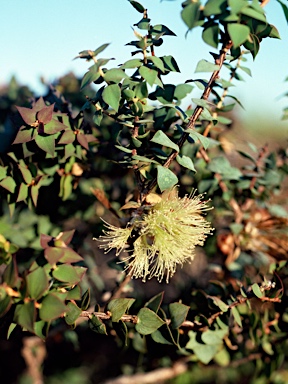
point(162, 238)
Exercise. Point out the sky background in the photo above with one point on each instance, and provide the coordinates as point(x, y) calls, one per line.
point(41, 38)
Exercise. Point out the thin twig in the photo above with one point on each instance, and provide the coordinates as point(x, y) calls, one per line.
point(159, 375)
point(196, 114)
point(187, 323)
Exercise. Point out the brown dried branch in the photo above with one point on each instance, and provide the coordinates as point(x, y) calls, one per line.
point(34, 353)
point(187, 323)
point(159, 375)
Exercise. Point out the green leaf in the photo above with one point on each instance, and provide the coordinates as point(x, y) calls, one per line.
point(161, 138)
point(124, 149)
point(257, 291)
point(222, 358)
point(74, 294)
point(144, 159)
point(222, 166)
point(135, 4)
point(3, 172)
point(101, 48)
point(85, 300)
point(111, 95)
point(159, 338)
point(186, 162)
point(89, 78)
point(190, 14)
point(155, 302)
point(205, 353)
point(9, 184)
point(25, 135)
point(211, 35)
point(11, 328)
point(148, 74)
point(41, 329)
point(170, 63)
point(26, 174)
point(161, 29)
point(37, 283)
point(182, 90)
point(237, 5)
point(165, 178)
point(236, 316)
point(66, 186)
point(115, 75)
point(250, 12)
point(70, 256)
point(219, 303)
point(148, 322)
point(69, 274)
point(118, 307)
point(285, 9)
point(133, 63)
point(96, 325)
point(54, 126)
point(157, 62)
point(206, 66)
point(5, 305)
point(25, 315)
point(10, 274)
point(215, 7)
point(72, 314)
point(178, 313)
point(46, 143)
point(52, 307)
point(34, 193)
point(215, 337)
point(197, 136)
point(239, 33)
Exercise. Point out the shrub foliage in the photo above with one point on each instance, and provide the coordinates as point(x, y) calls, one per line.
point(121, 144)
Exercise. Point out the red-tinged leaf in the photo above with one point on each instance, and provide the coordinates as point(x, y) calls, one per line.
point(54, 126)
point(45, 240)
point(70, 256)
point(69, 274)
point(82, 140)
point(34, 193)
point(45, 114)
point(67, 236)
point(67, 137)
point(46, 143)
point(25, 135)
point(27, 114)
point(23, 192)
point(53, 254)
point(9, 184)
point(40, 104)
point(26, 174)
point(80, 271)
point(90, 138)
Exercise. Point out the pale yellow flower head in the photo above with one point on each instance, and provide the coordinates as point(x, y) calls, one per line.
point(164, 237)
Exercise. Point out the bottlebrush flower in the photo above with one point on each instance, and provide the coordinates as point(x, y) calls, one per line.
point(164, 237)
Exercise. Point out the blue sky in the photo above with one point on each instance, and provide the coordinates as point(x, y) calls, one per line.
point(40, 38)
